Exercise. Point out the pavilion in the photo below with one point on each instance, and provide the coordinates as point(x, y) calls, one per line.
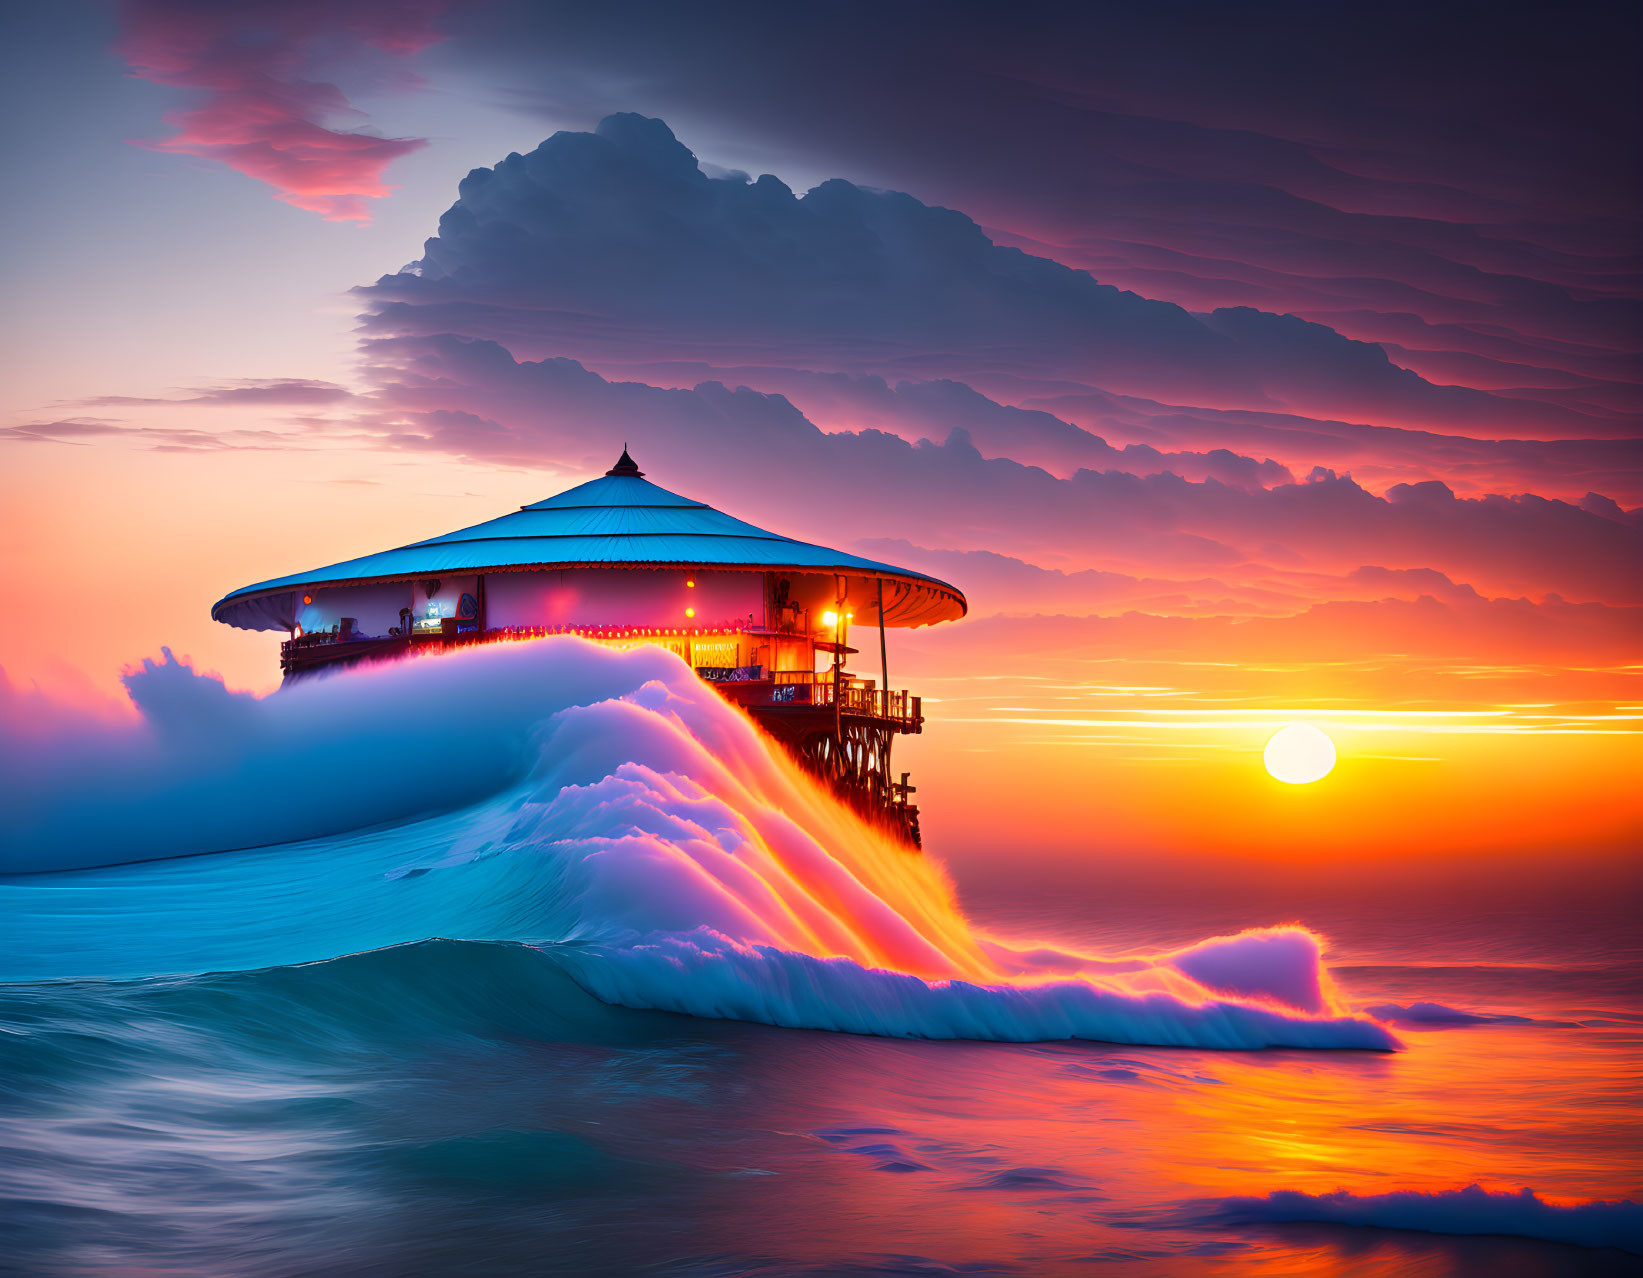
point(621, 561)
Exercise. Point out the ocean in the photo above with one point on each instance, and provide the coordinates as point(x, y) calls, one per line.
point(540, 960)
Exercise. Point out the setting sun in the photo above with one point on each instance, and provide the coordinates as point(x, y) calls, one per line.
point(1299, 754)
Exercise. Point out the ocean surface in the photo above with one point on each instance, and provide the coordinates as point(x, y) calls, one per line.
point(538, 960)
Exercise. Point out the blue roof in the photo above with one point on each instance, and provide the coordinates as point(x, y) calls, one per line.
point(618, 520)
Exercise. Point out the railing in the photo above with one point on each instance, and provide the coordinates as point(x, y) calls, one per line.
point(449, 628)
point(313, 639)
point(855, 696)
point(730, 674)
point(324, 638)
point(326, 647)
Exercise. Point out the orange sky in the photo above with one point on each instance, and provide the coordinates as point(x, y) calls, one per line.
point(1039, 756)
point(1388, 488)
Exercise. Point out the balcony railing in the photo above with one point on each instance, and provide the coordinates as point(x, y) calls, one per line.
point(746, 685)
point(854, 696)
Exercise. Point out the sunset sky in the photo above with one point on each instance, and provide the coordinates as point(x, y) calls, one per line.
point(1224, 413)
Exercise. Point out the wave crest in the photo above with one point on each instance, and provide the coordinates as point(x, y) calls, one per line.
point(1473, 1210)
point(605, 806)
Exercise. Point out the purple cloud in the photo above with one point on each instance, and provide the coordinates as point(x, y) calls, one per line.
point(615, 246)
point(473, 399)
point(265, 112)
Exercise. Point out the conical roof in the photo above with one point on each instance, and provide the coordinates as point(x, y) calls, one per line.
point(620, 520)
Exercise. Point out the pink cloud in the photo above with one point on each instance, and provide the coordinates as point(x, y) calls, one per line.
point(473, 399)
point(264, 114)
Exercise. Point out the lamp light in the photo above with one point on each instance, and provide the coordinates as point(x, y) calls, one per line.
point(830, 618)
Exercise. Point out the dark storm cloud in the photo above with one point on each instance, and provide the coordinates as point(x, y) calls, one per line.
point(1319, 97)
point(1473, 165)
point(616, 245)
point(618, 237)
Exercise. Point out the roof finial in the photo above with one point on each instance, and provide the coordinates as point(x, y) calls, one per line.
point(626, 466)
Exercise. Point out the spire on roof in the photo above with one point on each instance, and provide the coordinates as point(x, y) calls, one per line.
point(625, 465)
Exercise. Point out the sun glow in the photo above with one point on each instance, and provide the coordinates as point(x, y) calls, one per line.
point(1299, 754)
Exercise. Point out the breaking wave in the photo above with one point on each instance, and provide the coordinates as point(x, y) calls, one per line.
point(605, 809)
point(1468, 1211)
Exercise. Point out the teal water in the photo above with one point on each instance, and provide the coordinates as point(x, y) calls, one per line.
point(399, 1046)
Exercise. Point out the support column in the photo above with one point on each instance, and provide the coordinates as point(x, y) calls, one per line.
point(884, 658)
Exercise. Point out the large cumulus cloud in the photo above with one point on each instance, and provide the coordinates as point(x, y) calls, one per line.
point(616, 245)
point(1403, 172)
